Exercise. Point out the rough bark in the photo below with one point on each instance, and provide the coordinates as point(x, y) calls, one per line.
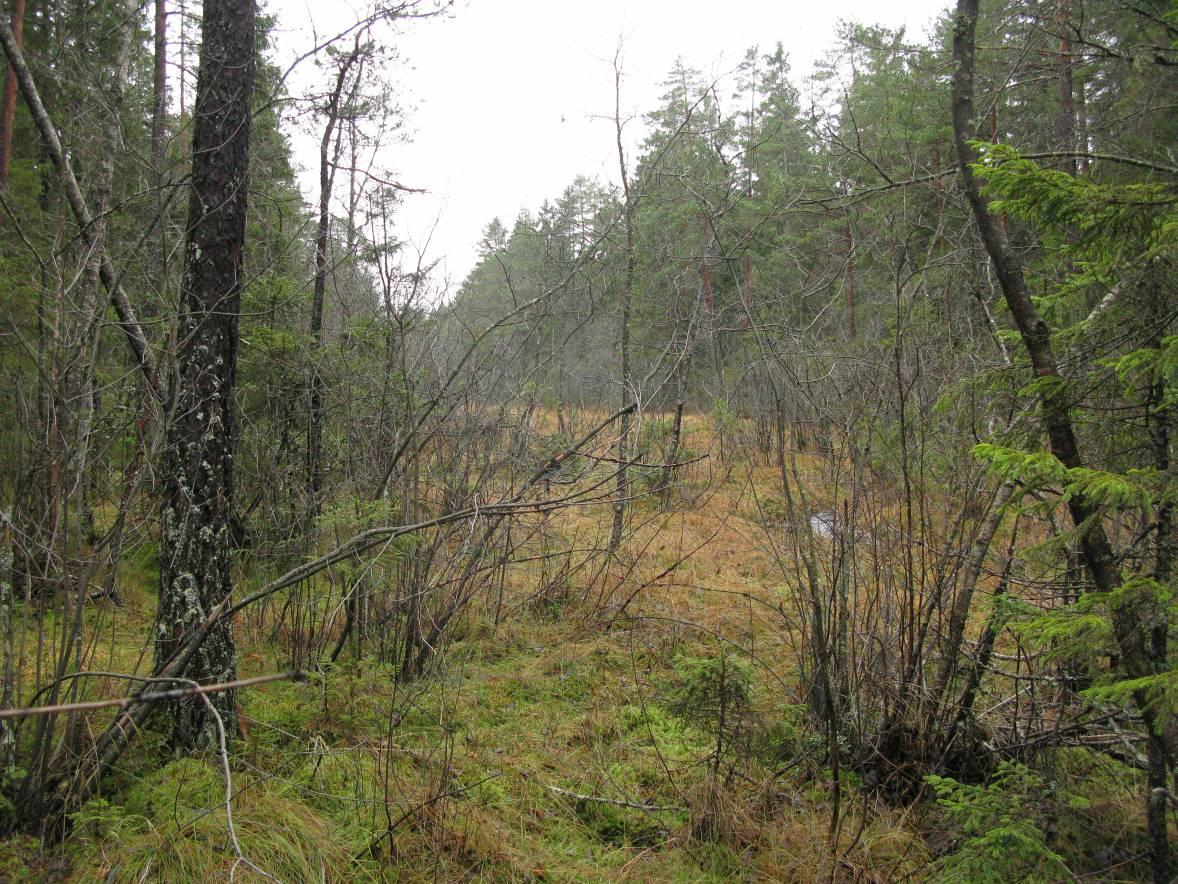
point(197, 473)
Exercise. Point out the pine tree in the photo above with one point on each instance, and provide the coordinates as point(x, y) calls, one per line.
point(198, 499)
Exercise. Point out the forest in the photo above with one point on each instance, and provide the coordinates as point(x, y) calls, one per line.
point(795, 502)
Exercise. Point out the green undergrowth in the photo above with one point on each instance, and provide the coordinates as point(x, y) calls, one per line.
point(528, 754)
point(533, 752)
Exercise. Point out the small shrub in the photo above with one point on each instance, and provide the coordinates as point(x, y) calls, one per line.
point(772, 511)
point(1000, 824)
point(708, 689)
point(653, 438)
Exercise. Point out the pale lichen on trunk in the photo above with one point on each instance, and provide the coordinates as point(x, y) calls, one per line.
point(198, 460)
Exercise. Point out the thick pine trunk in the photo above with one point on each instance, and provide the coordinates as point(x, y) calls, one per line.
point(198, 460)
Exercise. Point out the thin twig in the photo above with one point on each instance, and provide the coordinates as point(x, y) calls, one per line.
point(224, 753)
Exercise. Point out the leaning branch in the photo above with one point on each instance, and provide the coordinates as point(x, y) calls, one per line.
point(1136, 162)
point(106, 271)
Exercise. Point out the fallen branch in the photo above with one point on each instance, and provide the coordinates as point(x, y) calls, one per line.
point(193, 690)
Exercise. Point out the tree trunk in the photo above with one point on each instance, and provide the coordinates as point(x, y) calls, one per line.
point(1081, 124)
point(159, 107)
point(197, 472)
point(959, 613)
point(623, 483)
point(1032, 329)
point(8, 112)
point(746, 292)
point(1137, 655)
point(1159, 415)
point(79, 379)
point(849, 278)
point(1066, 119)
point(159, 110)
point(327, 164)
point(672, 457)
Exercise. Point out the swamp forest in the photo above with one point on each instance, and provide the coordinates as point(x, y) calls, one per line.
point(794, 502)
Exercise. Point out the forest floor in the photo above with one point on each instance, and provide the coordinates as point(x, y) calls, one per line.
point(579, 738)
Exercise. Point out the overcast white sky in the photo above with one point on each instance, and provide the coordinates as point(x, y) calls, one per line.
point(508, 96)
